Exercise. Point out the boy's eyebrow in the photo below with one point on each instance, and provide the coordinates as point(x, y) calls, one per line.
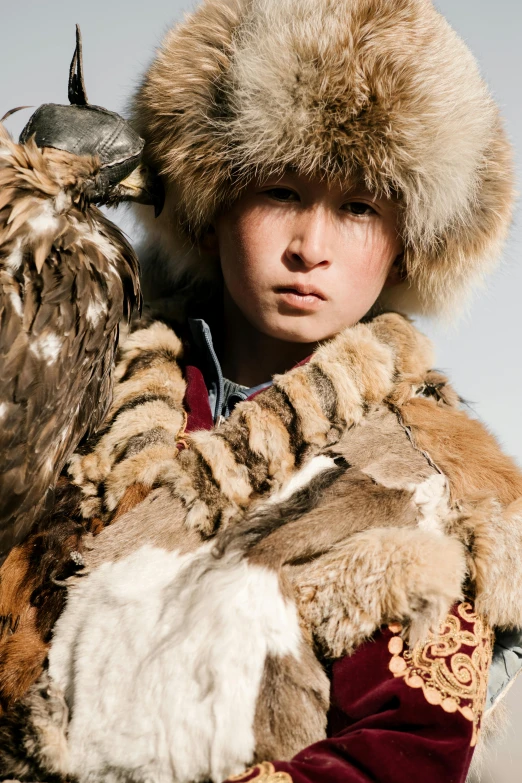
point(392, 197)
point(359, 189)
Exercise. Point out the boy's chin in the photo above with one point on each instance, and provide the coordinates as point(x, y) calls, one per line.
point(299, 330)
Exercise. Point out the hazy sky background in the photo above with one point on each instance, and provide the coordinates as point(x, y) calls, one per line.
point(482, 353)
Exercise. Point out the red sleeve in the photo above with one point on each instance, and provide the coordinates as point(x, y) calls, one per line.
point(397, 714)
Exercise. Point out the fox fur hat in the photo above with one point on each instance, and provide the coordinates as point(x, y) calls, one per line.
point(382, 91)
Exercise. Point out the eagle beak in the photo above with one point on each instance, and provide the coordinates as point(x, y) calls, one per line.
point(144, 186)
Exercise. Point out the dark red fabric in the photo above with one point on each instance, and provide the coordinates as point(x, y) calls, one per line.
point(383, 730)
point(199, 415)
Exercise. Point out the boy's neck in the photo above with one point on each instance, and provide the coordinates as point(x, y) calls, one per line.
point(249, 357)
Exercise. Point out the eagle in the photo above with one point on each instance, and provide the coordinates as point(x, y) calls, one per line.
point(68, 277)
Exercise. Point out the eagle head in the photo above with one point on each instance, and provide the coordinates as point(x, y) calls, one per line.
point(85, 129)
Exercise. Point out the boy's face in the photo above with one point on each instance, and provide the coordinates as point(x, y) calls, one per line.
point(302, 259)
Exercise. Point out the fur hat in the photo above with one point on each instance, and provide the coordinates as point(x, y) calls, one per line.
point(378, 90)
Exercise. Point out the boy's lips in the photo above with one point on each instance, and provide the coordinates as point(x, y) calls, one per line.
point(301, 297)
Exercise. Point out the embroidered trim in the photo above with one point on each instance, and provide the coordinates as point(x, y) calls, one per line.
point(451, 676)
point(262, 773)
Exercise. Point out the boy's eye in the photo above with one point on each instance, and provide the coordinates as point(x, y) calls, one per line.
point(282, 194)
point(359, 208)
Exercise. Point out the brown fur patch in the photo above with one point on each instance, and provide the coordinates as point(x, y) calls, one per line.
point(134, 495)
point(31, 592)
point(299, 691)
point(158, 520)
point(378, 576)
point(464, 450)
point(144, 422)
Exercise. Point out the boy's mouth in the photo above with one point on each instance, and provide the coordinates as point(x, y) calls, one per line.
point(301, 297)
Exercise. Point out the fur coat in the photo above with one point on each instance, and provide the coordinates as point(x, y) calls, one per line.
point(223, 569)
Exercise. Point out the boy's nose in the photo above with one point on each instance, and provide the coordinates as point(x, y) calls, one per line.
point(309, 246)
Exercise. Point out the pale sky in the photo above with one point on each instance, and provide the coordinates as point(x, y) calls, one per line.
point(482, 353)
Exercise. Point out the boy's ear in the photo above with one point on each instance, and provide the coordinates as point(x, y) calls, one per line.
point(209, 242)
point(397, 273)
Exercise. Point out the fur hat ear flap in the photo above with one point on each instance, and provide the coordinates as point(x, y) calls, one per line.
point(248, 88)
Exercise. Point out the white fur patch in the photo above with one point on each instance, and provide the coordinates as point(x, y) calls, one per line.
point(303, 477)
point(432, 499)
point(3, 410)
point(161, 657)
point(47, 347)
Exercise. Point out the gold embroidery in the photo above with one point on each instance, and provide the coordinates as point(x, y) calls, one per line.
point(264, 773)
point(451, 676)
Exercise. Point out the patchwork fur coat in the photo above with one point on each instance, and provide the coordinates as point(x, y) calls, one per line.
point(213, 574)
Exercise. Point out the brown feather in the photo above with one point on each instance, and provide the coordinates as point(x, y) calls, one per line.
point(67, 278)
